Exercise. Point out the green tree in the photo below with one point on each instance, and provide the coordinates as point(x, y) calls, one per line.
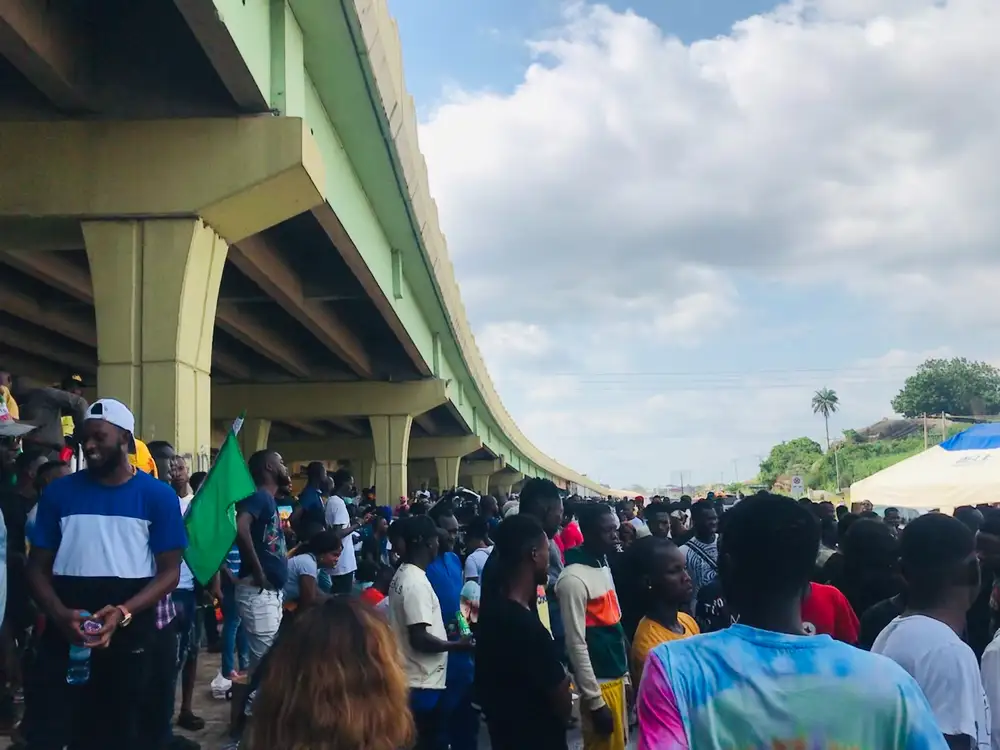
point(799, 455)
point(825, 402)
point(852, 437)
point(952, 386)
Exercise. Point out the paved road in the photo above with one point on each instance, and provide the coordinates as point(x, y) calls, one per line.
point(216, 713)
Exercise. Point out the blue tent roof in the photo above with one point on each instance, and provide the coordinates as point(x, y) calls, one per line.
point(979, 437)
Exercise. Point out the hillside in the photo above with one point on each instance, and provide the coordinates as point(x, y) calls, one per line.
point(861, 453)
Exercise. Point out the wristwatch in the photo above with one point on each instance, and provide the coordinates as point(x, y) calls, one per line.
point(126, 616)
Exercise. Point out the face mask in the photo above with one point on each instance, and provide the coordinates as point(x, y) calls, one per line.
point(366, 585)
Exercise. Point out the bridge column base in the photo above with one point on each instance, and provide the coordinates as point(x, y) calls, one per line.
point(503, 482)
point(480, 472)
point(254, 435)
point(364, 472)
point(481, 484)
point(156, 287)
point(447, 472)
point(391, 438)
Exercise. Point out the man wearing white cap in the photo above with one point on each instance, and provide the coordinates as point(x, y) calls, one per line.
point(106, 540)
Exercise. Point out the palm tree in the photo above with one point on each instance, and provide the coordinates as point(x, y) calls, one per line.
point(826, 402)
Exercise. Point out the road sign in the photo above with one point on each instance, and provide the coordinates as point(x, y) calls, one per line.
point(798, 486)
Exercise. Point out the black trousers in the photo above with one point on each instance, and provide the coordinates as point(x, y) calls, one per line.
point(104, 712)
point(156, 719)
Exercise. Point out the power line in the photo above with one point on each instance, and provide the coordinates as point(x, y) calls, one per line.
point(695, 373)
point(626, 387)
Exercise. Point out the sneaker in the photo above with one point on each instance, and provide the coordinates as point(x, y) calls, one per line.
point(220, 686)
point(187, 720)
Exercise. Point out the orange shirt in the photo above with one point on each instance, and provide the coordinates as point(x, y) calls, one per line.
point(651, 634)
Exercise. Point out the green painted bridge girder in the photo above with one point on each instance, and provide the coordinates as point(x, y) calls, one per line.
point(309, 60)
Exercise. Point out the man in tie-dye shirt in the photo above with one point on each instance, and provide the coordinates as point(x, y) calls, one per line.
point(763, 683)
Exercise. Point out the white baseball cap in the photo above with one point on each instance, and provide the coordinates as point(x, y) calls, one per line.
point(113, 411)
point(10, 427)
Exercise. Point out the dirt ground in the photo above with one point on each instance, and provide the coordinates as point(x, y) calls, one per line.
point(216, 713)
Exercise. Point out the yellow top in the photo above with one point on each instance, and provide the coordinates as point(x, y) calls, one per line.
point(651, 634)
point(142, 459)
point(9, 402)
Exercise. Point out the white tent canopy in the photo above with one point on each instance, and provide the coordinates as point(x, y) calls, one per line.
point(964, 470)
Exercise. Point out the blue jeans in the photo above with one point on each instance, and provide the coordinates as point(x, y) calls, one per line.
point(234, 637)
point(425, 705)
point(459, 719)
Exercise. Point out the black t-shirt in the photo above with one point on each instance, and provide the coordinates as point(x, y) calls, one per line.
point(517, 666)
point(979, 624)
point(490, 586)
point(14, 507)
point(711, 611)
point(875, 618)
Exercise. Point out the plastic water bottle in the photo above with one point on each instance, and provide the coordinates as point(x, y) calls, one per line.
point(78, 671)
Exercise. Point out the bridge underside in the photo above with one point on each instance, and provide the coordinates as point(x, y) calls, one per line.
point(168, 238)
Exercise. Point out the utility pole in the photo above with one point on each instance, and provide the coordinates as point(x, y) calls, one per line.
point(925, 431)
point(944, 428)
point(736, 472)
point(836, 463)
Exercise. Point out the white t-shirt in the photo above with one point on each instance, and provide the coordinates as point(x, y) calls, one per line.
point(412, 601)
point(991, 684)
point(637, 523)
point(475, 563)
point(946, 670)
point(298, 566)
point(336, 515)
point(187, 577)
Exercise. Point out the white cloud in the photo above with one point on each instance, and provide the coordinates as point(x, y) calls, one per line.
point(513, 339)
point(794, 143)
point(628, 194)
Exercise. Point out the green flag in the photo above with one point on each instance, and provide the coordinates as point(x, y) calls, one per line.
point(211, 518)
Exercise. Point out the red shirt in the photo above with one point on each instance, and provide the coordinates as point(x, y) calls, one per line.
point(826, 611)
point(372, 596)
point(568, 538)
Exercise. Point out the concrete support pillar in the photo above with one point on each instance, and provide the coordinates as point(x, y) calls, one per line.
point(447, 472)
point(481, 484)
point(391, 438)
point(480, 472)
point(156, 287)
point(420, 472)
point(364, 472)
point(253, 437)
point(504, 481)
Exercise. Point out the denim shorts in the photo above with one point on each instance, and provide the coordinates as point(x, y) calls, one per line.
point(186, 622)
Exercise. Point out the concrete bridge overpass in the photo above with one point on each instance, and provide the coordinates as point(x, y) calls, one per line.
point(218, 206)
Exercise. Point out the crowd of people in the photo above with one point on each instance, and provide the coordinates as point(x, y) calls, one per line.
point(360, 625)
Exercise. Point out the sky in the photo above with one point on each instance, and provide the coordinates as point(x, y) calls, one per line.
point(674, 220)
